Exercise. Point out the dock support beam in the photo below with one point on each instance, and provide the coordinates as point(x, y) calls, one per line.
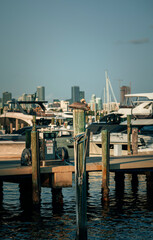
point(149, 179)
point(119, 184)
point(80, 171)
point(57, 199)
point(26, 196)
point(134, 182)
point(129, 134)
point(105, 165)
point(35, 165)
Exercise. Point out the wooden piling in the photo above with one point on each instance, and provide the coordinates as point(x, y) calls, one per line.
point(25, 189)
point(134, 182)
point(119, 184)
point(105, 165)
point(57, 199)
point(35, 165)
point(135, 140)
point(129, 134)
point(80, 171)
point(149, 185)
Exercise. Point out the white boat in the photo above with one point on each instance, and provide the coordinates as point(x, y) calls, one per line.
point(141, 105)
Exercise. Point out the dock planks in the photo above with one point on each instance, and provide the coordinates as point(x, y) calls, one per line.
point(125, 163)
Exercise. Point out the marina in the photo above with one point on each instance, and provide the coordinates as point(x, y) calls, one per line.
point(59, 156)
point(76, 120)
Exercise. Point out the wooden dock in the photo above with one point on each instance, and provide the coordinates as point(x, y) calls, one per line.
point(61, 174)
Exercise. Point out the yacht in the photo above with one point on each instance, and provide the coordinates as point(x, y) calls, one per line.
point(141, 105)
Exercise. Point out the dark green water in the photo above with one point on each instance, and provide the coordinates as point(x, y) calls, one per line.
point(128, 216)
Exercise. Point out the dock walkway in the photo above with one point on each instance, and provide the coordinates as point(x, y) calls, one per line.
point(61, 173)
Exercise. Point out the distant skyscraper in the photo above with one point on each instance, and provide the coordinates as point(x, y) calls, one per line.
point(82, 95)
point(99, 104)
point(124, 90)
point(41, 93)
point(75, 94)
point(6, 97)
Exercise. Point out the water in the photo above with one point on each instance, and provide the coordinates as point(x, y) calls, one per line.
point(128, 216)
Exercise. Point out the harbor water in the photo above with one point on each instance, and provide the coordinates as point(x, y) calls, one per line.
point(127, 216)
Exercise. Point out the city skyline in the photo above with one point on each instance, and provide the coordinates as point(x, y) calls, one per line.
point(59, 44)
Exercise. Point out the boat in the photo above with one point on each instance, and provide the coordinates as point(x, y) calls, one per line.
point(141, 111)
point(140, 106)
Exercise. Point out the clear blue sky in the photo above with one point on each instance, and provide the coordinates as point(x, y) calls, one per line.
point(63, 43)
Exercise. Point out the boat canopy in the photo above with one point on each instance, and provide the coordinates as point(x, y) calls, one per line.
point(147, 95)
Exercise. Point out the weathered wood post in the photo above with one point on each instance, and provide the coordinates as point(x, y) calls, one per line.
point(129, 134)
point(149, 180)
point(105, 165)
point(80, 170)
point(135, 140)
point(35, 165)
point(134, 182)
point(119, 184)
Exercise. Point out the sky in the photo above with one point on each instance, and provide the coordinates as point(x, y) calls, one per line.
point(63, 43)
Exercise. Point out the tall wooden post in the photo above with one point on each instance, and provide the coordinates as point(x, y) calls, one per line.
point(134, 182)
point(35, 165)
point(119, 184)
point(80, 171)
point(135, 140)
point(149, 179)
point(105, 165)
point(129, 134)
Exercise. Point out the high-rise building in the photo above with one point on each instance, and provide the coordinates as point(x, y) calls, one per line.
point(7, 96)
point(95, 103)
point(82, 95)
point(41, 93)
point(75, 94)
point(124, 90)
point(99, 104)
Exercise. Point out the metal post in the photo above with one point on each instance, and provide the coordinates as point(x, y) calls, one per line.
point(35, 165)
point(105, 165)
point(129, 134)
point(80, 171)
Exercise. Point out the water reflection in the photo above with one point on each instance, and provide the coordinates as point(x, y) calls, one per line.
point(128, 215)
